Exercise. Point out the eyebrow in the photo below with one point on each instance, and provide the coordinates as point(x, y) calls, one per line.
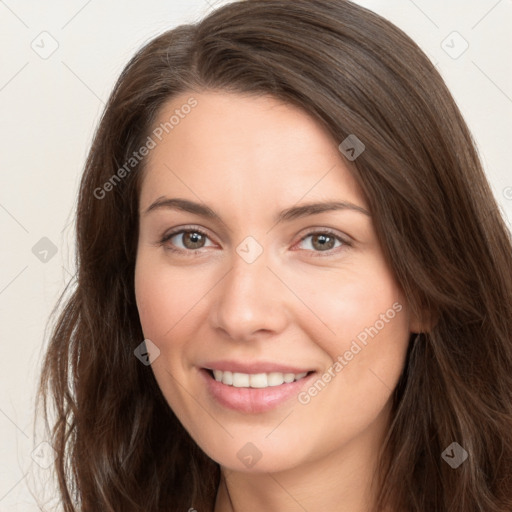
point(288, 214)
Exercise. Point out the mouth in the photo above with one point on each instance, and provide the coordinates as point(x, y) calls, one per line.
point(256, 380)
point(253, 393)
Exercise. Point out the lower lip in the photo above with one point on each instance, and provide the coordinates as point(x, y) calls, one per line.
point(253, 400)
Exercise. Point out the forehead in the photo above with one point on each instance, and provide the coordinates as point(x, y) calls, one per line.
point(257, 146)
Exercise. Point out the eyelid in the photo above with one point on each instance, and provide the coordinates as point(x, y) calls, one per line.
point(345, 240)
point(317, 230)
point(184, 229)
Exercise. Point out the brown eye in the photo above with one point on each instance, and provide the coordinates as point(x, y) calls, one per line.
point(323, 242)
point(193, 239)
point(186, 240)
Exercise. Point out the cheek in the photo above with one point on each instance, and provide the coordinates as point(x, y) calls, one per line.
point(165, 300)
point(349, 300)
point(366, 343)
point(155, 304)
point(173, 307)
point(365, 331)
point(165, 305)
point(165, 296)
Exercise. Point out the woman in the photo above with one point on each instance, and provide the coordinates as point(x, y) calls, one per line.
point(294, 284)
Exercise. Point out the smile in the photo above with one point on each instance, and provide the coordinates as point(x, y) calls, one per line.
point(256, 380)
point(253, 393)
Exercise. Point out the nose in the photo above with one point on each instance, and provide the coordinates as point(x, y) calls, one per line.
point(250, 301)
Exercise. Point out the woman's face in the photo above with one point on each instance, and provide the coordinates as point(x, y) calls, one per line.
point(255, 283)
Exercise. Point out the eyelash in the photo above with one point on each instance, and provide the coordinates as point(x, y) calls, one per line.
point(196, 252)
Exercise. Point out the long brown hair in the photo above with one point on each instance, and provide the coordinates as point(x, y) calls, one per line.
point(119, 445)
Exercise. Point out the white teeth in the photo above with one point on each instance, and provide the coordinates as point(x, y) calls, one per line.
point(240, 380)
point(227, 378)
point(255, 380)
point(275, 379)
point(258, 380)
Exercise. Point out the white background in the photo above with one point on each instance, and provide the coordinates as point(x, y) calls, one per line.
point(50, 108)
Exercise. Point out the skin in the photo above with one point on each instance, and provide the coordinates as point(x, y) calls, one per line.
point(248, 158)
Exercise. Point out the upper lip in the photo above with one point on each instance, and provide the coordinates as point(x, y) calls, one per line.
point(253, 367)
